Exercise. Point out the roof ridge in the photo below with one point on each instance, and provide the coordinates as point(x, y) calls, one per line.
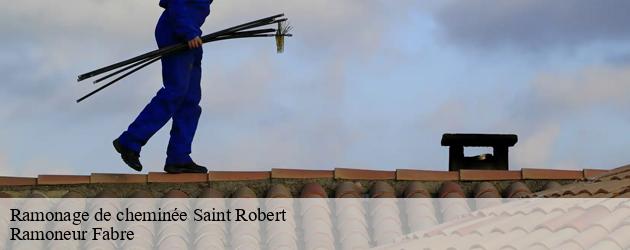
point(463, 175)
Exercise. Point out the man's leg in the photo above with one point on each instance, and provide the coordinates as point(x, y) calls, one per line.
point(176, 70)
point(186, 118)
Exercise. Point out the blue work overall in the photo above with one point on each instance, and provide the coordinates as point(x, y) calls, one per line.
point(181, 73)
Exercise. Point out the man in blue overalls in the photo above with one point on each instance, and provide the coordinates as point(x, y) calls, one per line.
point(179, 98)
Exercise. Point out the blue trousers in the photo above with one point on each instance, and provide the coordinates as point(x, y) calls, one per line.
point(178, 100)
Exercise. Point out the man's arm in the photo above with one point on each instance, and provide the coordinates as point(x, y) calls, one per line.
point(181, 15)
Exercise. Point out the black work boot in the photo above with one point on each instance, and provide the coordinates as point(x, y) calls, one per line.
point(184, 168)
point(131, 158)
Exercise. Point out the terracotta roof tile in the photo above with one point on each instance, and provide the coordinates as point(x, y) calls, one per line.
point(161, 177)
point(239, 175)
point(281, 173)
point(17, 181)
point(381, 189)
point(593, 173)
point(557, 223)
point(141, 194)
point(585, 239)
point(73, 194)
point(426, 175)
point(36, 195)
point(347, 190)
point(210, 193)
point(612, 222)
point(416, 190)
point(451, 189)
point(607, 244)
point(610, 184)
point(106, 193)
point(583, 224)
point(362, 174)
point(590, 218)
point(620, 236)
point(352, 225)
point(313, 190)
point(244, 192)
point(62, 179)
point(385, 213)
point(174, 193)
point(623, 171)
point(551, 185)
point(517, 190)
point(393, 219)
point(118, 178)
point(278, 191)
point(551, 174)
point(453, 209)
point(488, 175)
point(486, 190)
point(420, 213)
point(616, 177)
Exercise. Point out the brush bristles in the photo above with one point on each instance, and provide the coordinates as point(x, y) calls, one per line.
point(280, 44)
point(282, 31)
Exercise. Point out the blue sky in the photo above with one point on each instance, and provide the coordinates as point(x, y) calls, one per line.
point(362, 84)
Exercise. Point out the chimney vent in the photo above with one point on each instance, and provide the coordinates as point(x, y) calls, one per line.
point(498, 160)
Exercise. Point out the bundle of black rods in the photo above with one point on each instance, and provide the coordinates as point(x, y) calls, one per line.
point(246, 30)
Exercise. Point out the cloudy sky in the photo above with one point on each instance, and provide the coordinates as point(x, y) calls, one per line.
point(362, 84)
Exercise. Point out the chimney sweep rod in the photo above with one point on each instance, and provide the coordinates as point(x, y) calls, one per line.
point(242, 33)
point(119, 78)
point(256, 23)
point(122, 70)
point(155, 59)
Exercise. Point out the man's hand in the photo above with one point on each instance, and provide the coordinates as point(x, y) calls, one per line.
point(195, 43)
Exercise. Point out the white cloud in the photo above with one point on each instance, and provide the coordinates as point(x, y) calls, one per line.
point(286, 107)
point(536, 150)
point(573, 119)
point(263, 110)
point(588, 87)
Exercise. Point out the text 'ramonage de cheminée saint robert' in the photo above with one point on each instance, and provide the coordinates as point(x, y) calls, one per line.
point(129, 215)
point(175, 215)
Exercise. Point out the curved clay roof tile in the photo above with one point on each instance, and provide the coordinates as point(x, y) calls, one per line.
point(141, 194)
point(106, 193)
point(551, 185)
point(382, 189)
point(174, 193)
point(347, 190)
point(517, 190)
point(416, 190)
point(244, 192)
point(486, 190)
point(210, 193)
point(36, 194)
point(451, 189)
point(313, 190)
point(73, 194)
point(278, 191)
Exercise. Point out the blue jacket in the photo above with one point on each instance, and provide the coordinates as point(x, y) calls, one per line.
point(186, 16)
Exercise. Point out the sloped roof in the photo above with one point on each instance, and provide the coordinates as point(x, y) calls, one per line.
point(532, 224)
point(615, 183)
point(542, 223)
point(421, 220)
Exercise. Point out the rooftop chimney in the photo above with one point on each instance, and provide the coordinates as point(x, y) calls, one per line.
point(498, 160)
